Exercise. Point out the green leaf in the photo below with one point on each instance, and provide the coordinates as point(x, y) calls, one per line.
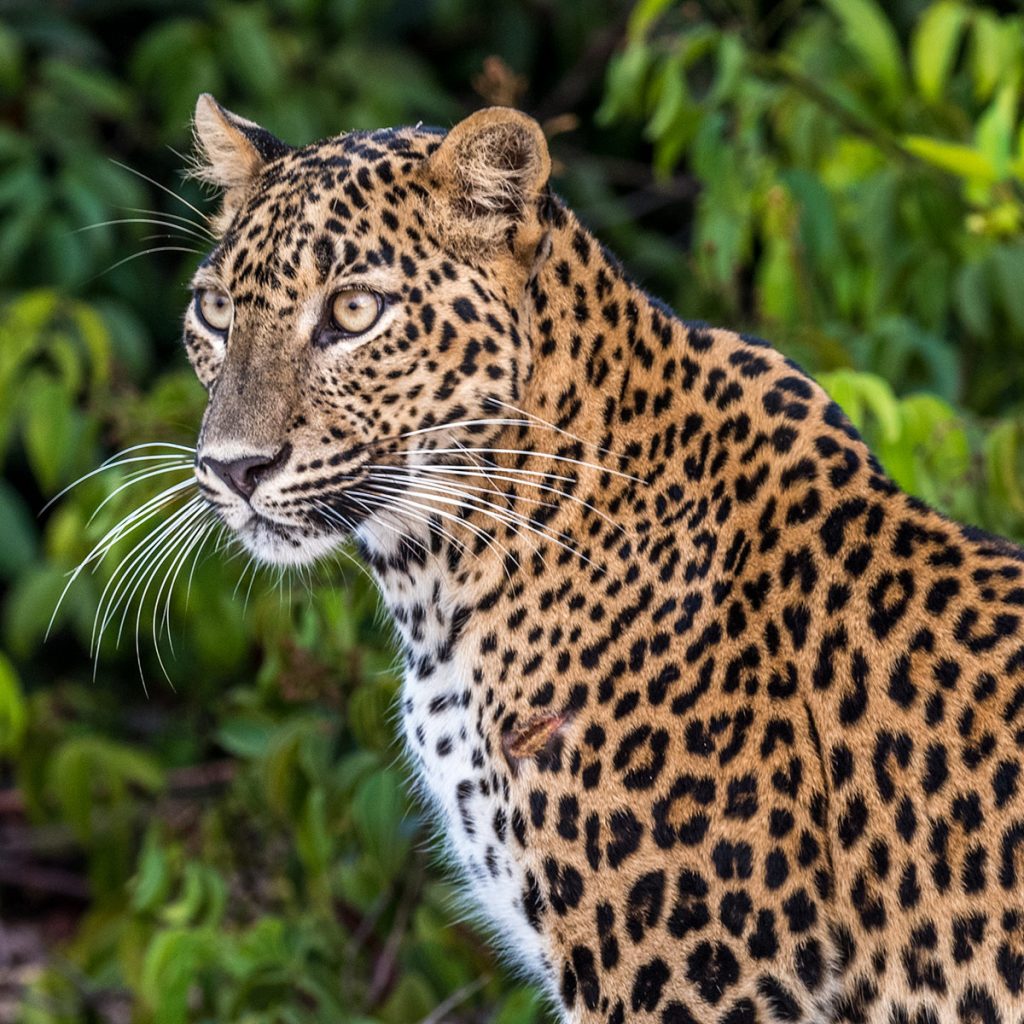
point(13, 712)
point(30, 603)
point(987, 49)
point(11, 60)
point(521, 1006)
point(963, 161)
point(312, 836)
point(245, 737)
point(368, 715)
point(819, 226)
point(173, 63)
point(856, 392)
point(170, 969)
point(974, 298)
point(130, 343)
point(378, 811)
point(51, 426)
point(625, 84)
point(23, 222)
point(994, 133)
point(412, 1000)
point(644, 14)
point(202, 896)
point(91, 89)
point(1008, 265)
point(933, 46)
point(153, 878)
point(879, 398)
point(91, 769)
point(18, 531)
point(1004, 456)
point(870, 34)
point(92, 333)
point(672, 99)
point(250, 48)
point(776, 281)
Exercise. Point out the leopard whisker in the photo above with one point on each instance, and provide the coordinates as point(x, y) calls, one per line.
point(134, 478)
point(147, 252)
point(127, 525)
point(207, 233)
point(131, 571)
point(156, 236)
point(515, 521)
point(376, 442)
point(198, 532)
point(539, 421)
point(408, 505)
point(428, 520)
point(539, 455)
point(476, 468)
point(252, 583)
point(464, 504)
point(163, 188)
point(372, 506)
point(179, 228)
point(530, 420)
point(217, 528)
point(349, 527)
point(201, 531)
point(250, 563)
point(104, 467)
point(457, 492)
point(441, 469)
point(483, 421)
point(136, 518)
point(468, 502)
point(116, 591)
point(126, 570)
point(148, 444)
point(412, 477)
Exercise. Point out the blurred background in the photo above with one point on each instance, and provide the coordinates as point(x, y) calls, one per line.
point(235, 841)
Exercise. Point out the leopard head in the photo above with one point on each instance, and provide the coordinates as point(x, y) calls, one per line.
point(365, 307)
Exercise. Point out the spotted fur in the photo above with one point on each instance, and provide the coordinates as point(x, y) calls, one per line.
point(720, 725)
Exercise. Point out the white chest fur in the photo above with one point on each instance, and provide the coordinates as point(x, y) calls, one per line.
point(444, 714)
point(453, 770)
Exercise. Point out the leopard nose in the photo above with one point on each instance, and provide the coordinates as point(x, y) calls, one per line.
point(244, 475)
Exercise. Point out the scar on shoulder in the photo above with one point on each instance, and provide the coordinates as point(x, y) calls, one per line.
point(537, 739)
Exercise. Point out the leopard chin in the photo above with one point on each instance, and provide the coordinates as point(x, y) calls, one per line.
point(286, 545)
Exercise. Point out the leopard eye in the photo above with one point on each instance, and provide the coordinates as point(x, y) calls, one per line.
point(214, 309)
point(354, 311)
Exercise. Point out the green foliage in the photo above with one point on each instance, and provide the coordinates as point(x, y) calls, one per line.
point(861, 188)
point(842, 177)
point(932, 450)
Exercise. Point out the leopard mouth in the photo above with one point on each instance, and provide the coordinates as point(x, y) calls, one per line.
point(286, 544)
point(262, 525)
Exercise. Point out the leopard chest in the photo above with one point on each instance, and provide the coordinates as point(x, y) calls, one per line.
point(448, 721)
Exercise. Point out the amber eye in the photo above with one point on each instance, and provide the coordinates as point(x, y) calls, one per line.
point(354, 311)
point(214, 309)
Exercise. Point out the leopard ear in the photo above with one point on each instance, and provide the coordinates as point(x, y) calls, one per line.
point(492, 171)
point(231, 150)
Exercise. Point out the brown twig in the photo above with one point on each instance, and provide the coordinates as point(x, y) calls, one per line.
point(385, 968)
point(54, 881)
point(459, 996)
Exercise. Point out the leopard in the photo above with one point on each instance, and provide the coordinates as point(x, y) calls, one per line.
point(718, 724)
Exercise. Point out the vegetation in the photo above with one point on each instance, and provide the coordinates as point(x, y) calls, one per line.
point(843, 177)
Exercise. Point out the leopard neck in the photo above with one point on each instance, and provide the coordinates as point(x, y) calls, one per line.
point(597, 442)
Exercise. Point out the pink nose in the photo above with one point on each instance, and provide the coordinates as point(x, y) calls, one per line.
point(244, 475)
